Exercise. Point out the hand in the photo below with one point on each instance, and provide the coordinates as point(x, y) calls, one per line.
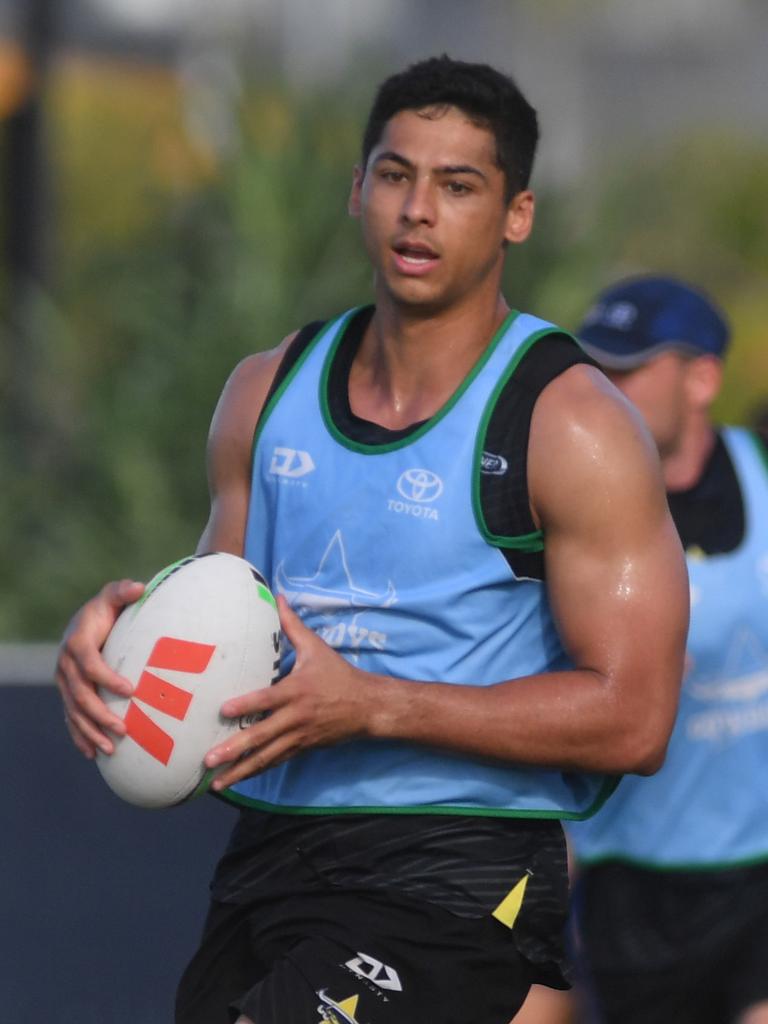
point(321, 701)
point(80, 669)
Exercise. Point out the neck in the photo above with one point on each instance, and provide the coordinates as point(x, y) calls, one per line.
point(683, 466)
point(409, 364)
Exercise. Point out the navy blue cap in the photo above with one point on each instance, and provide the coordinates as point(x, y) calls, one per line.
point(636, 319)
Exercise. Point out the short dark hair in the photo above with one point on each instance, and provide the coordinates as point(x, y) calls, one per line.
point(488, 97)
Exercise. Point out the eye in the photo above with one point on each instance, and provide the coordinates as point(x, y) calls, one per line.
point(394, 177)
point(458, 188)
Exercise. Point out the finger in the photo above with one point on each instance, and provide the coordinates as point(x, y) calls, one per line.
point(239, 743)
point(87, 735)
point(256, 761)
point(119, 593)
point(85, 707)
point(290, 623)
point(83, 697)
point(256, 702)
point(86, 748)
point(84, 664)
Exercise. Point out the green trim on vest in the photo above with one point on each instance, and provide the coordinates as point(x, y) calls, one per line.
point(287, 380)
point(381, 449)
point(671, 869)
point(760, 444)
point(605, 791)
point(203, 786)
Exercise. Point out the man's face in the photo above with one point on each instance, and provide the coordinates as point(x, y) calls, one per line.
point(434, 216)
point(659, 390)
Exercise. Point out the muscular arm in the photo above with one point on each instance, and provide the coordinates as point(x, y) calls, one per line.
point(618, 589)
point(617, 586)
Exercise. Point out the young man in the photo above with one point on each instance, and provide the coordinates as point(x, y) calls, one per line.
point(418, 468)
point(673, 891)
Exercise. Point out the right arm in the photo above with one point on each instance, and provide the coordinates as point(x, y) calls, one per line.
point(80, 669)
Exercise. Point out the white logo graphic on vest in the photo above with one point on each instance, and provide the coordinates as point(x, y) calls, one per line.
point(374, 970)
point(332, 593)
point(290, 463)
point(743, 681)
point(419, 488)
point(493, 465)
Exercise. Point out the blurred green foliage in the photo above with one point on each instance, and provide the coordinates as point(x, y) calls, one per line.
point(174, 262)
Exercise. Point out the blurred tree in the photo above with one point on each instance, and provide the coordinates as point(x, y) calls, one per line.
point(150, 314)
point(175, 262)
point(26, 211)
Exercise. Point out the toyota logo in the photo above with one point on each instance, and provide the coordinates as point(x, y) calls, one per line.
point(420, 485)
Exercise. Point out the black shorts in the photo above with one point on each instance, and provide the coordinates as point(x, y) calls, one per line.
point(351, 958)
point(653, 947)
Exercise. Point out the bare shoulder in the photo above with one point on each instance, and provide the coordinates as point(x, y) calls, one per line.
point(252, 378)
point(245, 392)
point(590, 449)
point(229, 448)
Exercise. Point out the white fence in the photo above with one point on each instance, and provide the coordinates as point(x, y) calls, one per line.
point(27, 664)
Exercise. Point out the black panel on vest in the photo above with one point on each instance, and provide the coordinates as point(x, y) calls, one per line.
point(710, 515)
point(504, 498)
point(291, 357)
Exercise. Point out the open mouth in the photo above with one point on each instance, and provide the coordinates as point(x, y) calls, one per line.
point(415, 254)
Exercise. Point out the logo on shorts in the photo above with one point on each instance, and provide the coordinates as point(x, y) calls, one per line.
point(342, 1012)
point(374, 970)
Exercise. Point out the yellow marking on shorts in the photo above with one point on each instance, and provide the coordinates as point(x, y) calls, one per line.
point(349, 1005)
point(509, 908)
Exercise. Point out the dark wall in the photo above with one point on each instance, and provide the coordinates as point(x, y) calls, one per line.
point(101, 903)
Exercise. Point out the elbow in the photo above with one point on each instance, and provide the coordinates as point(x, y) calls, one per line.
point(641, 730)
point(649, 763)
point(643, 750)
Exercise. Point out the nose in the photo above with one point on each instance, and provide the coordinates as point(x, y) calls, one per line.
point(419, 204)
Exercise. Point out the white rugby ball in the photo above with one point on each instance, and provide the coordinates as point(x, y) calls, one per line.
point(206, 629)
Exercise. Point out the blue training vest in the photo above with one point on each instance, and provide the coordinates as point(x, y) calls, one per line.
point(708, 806)
point(381, 549)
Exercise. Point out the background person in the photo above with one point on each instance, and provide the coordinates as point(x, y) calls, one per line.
point(671, 900)
point(399, 855)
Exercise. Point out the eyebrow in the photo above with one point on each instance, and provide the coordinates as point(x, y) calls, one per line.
point(397, 158)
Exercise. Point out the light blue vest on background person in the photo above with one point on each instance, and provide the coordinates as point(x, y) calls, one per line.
point(708, 806)
point(383, 552)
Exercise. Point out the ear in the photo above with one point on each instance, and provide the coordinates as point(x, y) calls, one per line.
point(354, 201)
point(520, 217)
point(703, 381)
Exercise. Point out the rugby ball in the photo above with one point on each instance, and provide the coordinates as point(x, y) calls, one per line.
point(206, 629)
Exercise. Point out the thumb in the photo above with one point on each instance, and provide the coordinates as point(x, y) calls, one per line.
point(297, 633)
point(120, 593)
